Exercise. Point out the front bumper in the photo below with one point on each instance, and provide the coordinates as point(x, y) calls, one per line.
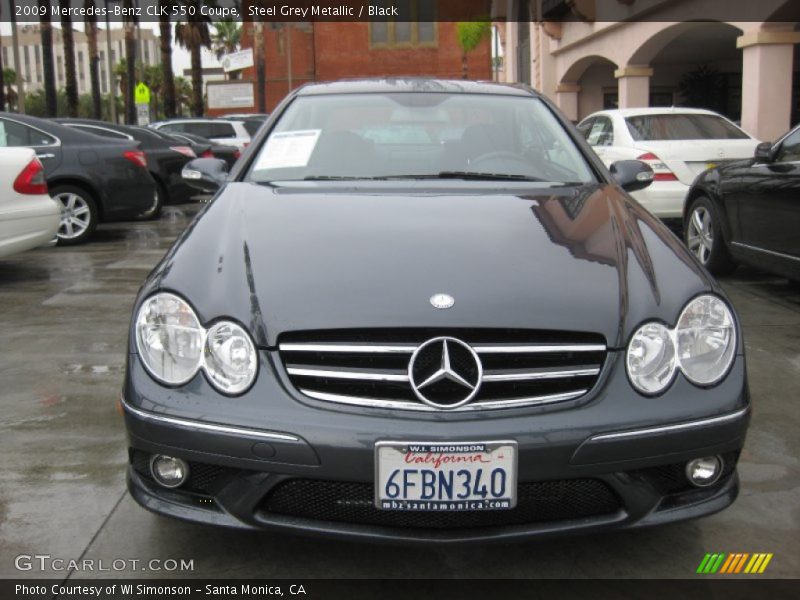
point(630, 449)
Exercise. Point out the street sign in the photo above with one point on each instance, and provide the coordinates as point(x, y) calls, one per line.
point(236, 61)
point(230, 94)
point(142, 114)
point(141, 94)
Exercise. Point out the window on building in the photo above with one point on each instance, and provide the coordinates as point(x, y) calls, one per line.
point(60, 69)
point(27, 61)
point(38, 59)
point(80, 66)
point(5, 56)
point(147, 53)
point(414, 25)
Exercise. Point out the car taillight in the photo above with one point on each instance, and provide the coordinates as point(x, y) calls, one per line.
point(137, 157)
point(207, 154)
point(661, 172)
point(237, 154)
point(185, 150)
point(31, 180)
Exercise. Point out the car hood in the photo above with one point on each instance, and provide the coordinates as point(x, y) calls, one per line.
point(574, 258)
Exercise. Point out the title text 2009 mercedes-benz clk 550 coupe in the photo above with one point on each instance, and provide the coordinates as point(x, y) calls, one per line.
point(424, 310)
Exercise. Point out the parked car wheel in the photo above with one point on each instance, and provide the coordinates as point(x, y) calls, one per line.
point(159, 198)
point(703, 235)
point(78, 214)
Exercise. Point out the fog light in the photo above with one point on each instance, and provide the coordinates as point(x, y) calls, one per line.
point(704, 471)
point(168, 471)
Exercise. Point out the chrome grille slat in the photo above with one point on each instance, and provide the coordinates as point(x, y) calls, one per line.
point(346, 374)
point(533, 375)
point(418, 406)
point(370, 368)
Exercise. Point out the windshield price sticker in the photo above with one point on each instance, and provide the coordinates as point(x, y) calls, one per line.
point(288, 149)
point(445, 477)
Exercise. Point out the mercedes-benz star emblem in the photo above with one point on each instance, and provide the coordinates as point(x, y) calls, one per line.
point(445, 372)
point(442, 300)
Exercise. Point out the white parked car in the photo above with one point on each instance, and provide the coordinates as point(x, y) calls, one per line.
point(678, 143)
point(221, 131)
point(29, 217)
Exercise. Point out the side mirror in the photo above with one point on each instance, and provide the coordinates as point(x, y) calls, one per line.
point(205, 174)
point(632, 175)
point(764, 152)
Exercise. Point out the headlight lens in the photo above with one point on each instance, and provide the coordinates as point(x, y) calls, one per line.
point(651, 358)
point(706, 340)
point(230, 357)
point(169, 338)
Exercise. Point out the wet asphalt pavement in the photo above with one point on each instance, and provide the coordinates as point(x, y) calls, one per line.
point(63, 323)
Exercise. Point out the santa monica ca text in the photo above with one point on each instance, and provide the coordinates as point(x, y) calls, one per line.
point(78, 590)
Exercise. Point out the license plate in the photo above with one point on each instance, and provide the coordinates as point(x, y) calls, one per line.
point(436, 476)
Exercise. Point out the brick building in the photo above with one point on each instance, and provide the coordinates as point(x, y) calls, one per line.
point(325, 51)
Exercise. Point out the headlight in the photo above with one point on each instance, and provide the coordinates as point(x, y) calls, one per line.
point(230, 358)
point(702, 346)
point(706, 340)
point(651, 358)
point(169, 338)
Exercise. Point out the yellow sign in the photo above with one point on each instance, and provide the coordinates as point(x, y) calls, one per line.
point(141, 94)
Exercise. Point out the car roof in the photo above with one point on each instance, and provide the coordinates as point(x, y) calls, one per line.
point(64, 133)
point(414, 84)
point(654, 110)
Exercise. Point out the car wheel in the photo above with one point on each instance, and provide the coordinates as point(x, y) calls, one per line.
point(78, 214)
point(703, 235)
point(159, 198)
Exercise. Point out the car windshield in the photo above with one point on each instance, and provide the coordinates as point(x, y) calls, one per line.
point(419, 135)
point(683, 127)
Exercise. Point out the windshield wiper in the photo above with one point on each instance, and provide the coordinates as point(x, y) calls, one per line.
point(471, 175)
point(339, 178)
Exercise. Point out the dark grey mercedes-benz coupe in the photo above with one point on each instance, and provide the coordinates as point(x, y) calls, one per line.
point(424, 310)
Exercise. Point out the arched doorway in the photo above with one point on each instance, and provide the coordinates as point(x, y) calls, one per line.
point(590, 81)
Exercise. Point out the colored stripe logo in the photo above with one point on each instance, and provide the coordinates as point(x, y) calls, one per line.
point(734, 563)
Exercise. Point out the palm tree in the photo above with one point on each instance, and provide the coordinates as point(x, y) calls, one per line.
point(120, 77)
point(71, 83)
point(130, 53)
point(9, 79)
point(226, 38)
point(46, 33)
point(168, 76)
point(183, 94)
point(12, 17)
point(468, 35)
point(2, 76)
point(94, 58)
point(194, 36)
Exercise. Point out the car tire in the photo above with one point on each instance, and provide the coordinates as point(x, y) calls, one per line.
point(79, 215)
point(154, 212)
point(702, 233)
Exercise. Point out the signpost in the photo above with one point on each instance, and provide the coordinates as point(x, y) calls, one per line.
point(236, 61)
point(230, 94)
point(141, 97)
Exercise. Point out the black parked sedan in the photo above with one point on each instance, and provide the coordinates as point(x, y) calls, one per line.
point(94, 179)
point(165, 159)
point(749, 211)
point(424, 310)
point(205, 148)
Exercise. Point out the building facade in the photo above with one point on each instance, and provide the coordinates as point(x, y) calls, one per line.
point(297, 53)
point(30, 59)
point(588, 55)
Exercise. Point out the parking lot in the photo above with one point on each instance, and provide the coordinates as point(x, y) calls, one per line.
point(65, 314)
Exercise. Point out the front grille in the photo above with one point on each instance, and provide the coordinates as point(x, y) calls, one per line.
point(371, 367)
point(343, 502)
